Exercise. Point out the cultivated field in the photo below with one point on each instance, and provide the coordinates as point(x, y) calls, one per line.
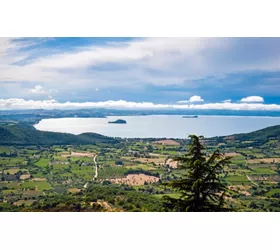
point(78, 154)
point(136, 168)
point(172, 163)
point(264, 160)
point(167, 142)
point(135, 179)
point(231, 154)
point(157, 161)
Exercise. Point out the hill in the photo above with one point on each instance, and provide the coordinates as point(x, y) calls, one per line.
point(25, 134)
point(261, 135)
point(254, 138)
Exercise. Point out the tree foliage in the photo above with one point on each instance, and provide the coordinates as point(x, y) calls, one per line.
point(201, 189)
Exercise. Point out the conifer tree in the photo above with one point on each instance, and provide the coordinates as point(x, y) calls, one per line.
point(201, 189)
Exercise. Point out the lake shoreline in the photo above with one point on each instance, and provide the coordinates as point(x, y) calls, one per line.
point(159, 126)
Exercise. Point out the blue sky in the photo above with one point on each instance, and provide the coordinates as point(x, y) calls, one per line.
point(141, 70)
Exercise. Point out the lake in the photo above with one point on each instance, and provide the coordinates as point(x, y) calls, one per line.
point(159, 126)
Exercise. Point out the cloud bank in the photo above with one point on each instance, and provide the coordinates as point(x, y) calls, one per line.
point(16, 103)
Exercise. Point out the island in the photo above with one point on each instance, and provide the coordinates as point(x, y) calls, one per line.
point(190, 116)
point(119, 121)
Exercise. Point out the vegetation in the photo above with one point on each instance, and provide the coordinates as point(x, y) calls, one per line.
point(256, 138)
point(119, 121)
point(25, 134)
point(43, 171)
point(201, 188)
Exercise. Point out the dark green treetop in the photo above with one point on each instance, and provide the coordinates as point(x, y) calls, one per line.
point(201, 188)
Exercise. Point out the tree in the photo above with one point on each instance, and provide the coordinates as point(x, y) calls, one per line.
point(150, 148)
point(201, 188)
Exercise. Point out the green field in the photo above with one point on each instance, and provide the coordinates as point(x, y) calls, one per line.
point(237, 179)
point(263, 171)
point(43, 162)
point(52, 175)
point(273, 191)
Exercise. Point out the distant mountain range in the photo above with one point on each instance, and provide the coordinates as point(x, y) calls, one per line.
point(34, 116)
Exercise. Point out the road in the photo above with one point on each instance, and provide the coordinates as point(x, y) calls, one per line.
point(252, 181)
point(96, 171)
point(96, 168)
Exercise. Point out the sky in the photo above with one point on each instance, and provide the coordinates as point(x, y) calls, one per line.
point(140, 73)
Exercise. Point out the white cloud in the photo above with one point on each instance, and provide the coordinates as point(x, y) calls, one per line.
point(131, 64)
point(227, 101)
point(15, 103)
point(138, 57)
point(194, 98)
point(252, 99)
point(146, 51)
point(39, 90)
point(174, 59)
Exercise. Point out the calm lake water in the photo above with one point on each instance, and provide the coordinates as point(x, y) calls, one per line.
point(170, 126)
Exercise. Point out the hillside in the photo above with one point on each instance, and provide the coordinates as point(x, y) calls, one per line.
point(261, 135)
point(254, 138)
point(25, 134)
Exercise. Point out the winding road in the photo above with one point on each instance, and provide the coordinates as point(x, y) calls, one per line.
point(96, 171)
point(96, 168)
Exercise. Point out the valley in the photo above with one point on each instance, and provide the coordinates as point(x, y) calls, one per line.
point(61, 174)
